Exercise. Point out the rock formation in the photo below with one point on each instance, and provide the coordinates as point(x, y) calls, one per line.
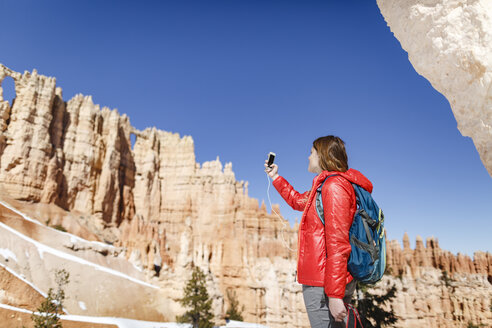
point(56, 152)
point(158, 212)
point(432, 256)
point(97, 271)
point(436, 288)
point(154, 200)
point(448, 42)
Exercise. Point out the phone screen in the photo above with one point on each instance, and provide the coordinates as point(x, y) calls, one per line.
point(271, 158)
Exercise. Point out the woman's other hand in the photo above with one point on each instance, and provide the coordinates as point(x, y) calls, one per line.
point(271, 170)
point(337, 309)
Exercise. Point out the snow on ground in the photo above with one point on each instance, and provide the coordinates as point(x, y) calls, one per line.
point(129, 323)
point(21, 277)
point(82, 306)
point(13, 308)
point(120, 322)
point(240, 324)
point(73, 238)
point(20, 213)
point(125, 323)
point(69, 257)
point(7, 253)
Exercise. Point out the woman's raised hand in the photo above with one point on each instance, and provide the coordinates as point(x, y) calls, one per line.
point(271, 170)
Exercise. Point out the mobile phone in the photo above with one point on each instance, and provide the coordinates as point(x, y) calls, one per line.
point(271, 158)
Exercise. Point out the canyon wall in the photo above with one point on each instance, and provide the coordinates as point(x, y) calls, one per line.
point(74, 164)
point(152, 198)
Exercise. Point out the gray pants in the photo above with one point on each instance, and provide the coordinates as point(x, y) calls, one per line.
point(316, 303)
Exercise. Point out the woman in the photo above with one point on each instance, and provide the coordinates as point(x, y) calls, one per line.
point(323, 250)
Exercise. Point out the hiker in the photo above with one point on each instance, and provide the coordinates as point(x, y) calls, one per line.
point(324, 249)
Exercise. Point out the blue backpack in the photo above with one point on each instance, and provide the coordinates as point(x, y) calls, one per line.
point(367, 260)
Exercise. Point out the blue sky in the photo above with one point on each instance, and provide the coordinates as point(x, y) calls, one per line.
point(247, 77)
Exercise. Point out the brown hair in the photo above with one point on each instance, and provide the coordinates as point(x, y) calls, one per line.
point(331, 153)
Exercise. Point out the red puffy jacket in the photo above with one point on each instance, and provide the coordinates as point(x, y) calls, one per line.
point(323, 251)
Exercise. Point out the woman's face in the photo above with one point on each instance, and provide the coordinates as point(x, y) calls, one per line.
point(314, 162)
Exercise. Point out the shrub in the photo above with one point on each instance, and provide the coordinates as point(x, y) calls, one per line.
point(234, 313)
point(372, 313)
point(47, 315)
point(197, 300)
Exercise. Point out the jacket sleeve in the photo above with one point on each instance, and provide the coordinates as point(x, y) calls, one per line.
point(338, 197)
point(295, 199)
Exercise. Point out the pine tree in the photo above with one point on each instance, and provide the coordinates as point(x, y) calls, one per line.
point(47, 315)
point(370, 308)
point(233, 313)
point(196, 299)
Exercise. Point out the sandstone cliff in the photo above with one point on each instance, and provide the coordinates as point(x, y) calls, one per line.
point(448, 42)
point(73, 164)
point(154, 200)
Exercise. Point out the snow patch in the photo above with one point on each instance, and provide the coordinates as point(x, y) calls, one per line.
point(73, 238)
point(69, 257)
point(129, 323)
point(20, 213)
point(21, 277)
point(40, 252)
point(138, 268)
point(126, 323)
point(240, 324)
point(7, 253)
point(82, 306)
point(8, 307)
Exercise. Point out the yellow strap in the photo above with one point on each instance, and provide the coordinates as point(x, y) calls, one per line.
point(380, 220)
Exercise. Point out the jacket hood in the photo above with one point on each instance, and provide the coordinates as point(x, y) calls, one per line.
point(351, 175)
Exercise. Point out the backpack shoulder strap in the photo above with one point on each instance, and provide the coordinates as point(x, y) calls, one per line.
point(319, 201)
